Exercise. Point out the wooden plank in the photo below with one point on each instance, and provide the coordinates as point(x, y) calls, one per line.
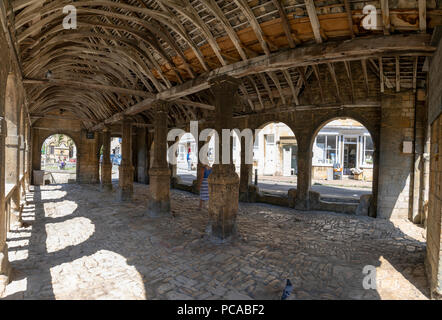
point(331, 68)
point(422, 15)
point(364, 71)
point(385, 16)
point(350, 79)
point(285, 23)
point(355, 49)
point(318, 79)
point(305, 82)
point(314, 21)
point(381, 74)
point(415, 73)
point(288, 78)
point(88, 85)
point(398, 75)
point(349, 17)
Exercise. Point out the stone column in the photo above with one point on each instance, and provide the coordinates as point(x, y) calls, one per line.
point(4, 261)
point(106, 165)
point(433, 259)
point(223, 181)
point(304, 173)
point(159, 173)
point(246, 172)
point(126, 171)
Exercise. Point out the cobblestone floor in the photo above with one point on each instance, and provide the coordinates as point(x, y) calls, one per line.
point(82, 244)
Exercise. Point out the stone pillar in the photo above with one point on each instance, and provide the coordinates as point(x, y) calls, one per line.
point(159, 173)
point(223, 181)
point(87, 159)
point(126, 171)
point(106, 165)
point(4, 261)
point(419, 142)
point(246, 172)
point(433, 259)
point(304, 172)
point(395, 163)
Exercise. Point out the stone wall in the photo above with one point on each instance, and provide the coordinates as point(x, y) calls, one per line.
point(396, 167)
point(44, 128)
point(320, 173)
point(13, 140)
point(434, 228)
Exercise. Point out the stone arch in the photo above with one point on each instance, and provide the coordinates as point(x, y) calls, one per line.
point(44, 137)
point(374, 132)
point(323, 121)
point(267, 122)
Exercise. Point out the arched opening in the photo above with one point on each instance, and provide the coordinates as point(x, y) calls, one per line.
point(187, 158)
point(59, 158)
point(115, 155)
point(12, 147)
point(343, 160)
point(275, 161)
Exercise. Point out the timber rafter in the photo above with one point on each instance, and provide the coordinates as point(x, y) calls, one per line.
point(125, 55)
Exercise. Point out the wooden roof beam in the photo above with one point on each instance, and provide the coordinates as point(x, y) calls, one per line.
point(385, 16)
point(314, 21)
point(398, 75)
point(331, 68)
point(289, 80)
point(88, 86)
point(350, 79)
point(349, 17)
point(423, 15)
point(285, 23)
point(364, 71)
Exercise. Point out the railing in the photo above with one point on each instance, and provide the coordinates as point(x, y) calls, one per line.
point(14, 207)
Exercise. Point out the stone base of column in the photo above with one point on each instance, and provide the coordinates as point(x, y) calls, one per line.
point(106, 177)
point(304, 203)
point(87, 174)
point(159, 186)
point(125, 183)
point(250, 195)
point(5, 268)
point(223, 203)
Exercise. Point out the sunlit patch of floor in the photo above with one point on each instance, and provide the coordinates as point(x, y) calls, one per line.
point(60, 209)
point(68, 233)
point(102, 275)
point(83, 244)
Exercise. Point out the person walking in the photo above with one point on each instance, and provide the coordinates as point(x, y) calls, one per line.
point(189, 162)
point(204, 184)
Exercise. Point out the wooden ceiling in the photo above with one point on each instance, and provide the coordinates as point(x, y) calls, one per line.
point(125, 55)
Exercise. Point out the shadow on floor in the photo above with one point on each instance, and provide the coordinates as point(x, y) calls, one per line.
point(322, 263)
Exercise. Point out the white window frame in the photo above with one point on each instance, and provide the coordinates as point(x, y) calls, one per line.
point(322, 161)
point(363, 147)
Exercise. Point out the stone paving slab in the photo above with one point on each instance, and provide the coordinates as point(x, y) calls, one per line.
point(83, 244)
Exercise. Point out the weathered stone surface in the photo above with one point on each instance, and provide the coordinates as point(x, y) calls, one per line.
point(364, 205)
point(84, 245)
